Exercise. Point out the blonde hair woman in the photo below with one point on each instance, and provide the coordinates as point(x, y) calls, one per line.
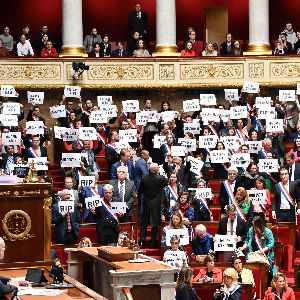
point(209, 50)
point(85, 242)
point(246, 206)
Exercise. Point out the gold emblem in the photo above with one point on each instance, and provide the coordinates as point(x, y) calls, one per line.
point(16, 225)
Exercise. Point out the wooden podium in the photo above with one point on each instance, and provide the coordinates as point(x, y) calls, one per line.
point(26, 223)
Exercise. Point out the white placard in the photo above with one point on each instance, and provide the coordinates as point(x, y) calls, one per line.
point(210, 114)
point(178, 151)
point(268, 165)
point(87, 134)
point(207, 141)
point(231, 94)
point(183, 234)
point(257, 197)
point(72, 91)
point(208, 99)
point(11, 138)
point(287, 95)
point(274, 125)
point(153, 116)
point(131, 105)
point(142, 117)
point(224, 243)
point(118, 207)
point(104, 100)
point(59, 132)
point(230, 142)
point(193, 128)
point(254, 146)
point(35, 127)
point(189, 144)
point(65, 206)
point(191, 105)
point(111, 110)
point(202, 192)
point(158, 140)
point(128, 135)
point(196, 165)
point(35, 97)
point(263, 102)
point(87, 181)
point(122, 145)
point(98, 117)
point(70, 135)
point(70, 160)
point(9, 120)
point(266, 112)
point(94, 201)
point(40, 163)
point(168, 116)
point(238, 112)
point(8, 91)
point(240, 160)
point(11, 108)
point(250, 87)
point(58, 111)
point(219, 156)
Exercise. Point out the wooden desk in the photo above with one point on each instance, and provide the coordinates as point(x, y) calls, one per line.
point(79, 292)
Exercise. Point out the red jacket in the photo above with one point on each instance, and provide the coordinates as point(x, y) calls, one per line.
point(287, 295)
point(46, 53)
point(217, 275)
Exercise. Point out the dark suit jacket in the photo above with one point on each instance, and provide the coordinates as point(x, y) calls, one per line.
point(130, 167)
point(3, 159)
point(44, 153)
point(111, 156)
point(6, 288)
point(129, 194)
point(115, 53)
point(241, 229)
point(293, 191)
point(141, 168)
point(108, 50)
point(223, 49)
point(60, 223)
point(30, 118)
point(138, 24)
point(297, 171)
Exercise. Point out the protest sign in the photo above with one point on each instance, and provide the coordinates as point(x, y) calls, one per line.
point(219, 156)
point(35, 97)
point(240, 160)
point(131, 105)
point(268, 165)
point(128, 135)
point(230, 142)
point(210, 114)
point(254, 146)
point(142, 117)
point(274, 125)
point(11, 108)
point(224, 243)
point(35, 127)
point(87, 134)
point(231, 94)
point(202, 192)
point(65, 206)
point(70, 135)
point(192, 128)
point(118, 207)
point(93, 201)
point(98, 117)
point(250, 87)
point(111, 110)
point(238, 112)
point(263, 102)
point(7, 91)
point(168, 116)
point(70, 160)
point(104, 100)
point(208, 141)
point(58, 111)
point(266, 112)
point(183, 235)
point(257, 197)
point(189, 144)
point(196, 165)
point(191, 105)
point(11, 138)
point(9, 120)
point(158, 140)
point(40, 163)
point(72, 91)
point(287, 95)
point(208, 99)
point(178, 151)
point(87, 181)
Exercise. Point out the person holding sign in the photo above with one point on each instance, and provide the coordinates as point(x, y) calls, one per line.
point(165, 149)
point(126, 162)
point(184, 207)
point(210, 273)
point(66, 224)
point(8, 159)
point(34, 114)
point(202, 243)
point(175, 257)
point(220, 169)
point(286, 204)
point(249, 177)
point(111, 151)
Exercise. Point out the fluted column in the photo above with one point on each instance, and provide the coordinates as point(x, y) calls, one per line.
point(165, 28)
point(72, 32)
point(259, 41)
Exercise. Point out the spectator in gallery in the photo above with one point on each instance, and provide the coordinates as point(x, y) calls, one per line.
point(141, 51)
point(24, 47)
point(91, 39)
point(297, 44)
point(96, 51)
point(132, 42)
point(3, 51)
point(138, 21)
point(188, 50)
point(49, 50)
point(38, 42)
point(43, 44)
point(7, 39)
point(290, 33)
point(25, 30)
point(105, 47)
point(226, 48)
point(287, 46)
point(120, 51)
point(237, 50)
point(197, 47)
point(209, 50)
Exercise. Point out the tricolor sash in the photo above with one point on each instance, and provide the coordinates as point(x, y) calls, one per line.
point(258, 242)
point(204, 203)
point(112, 146)
point(102, 138)
point(94, 191)
point(249, 107)
point(167, 148)
point(263, 153)
point(213, 130)
point(272, 178)
point(172, 192)
point(241, 135)
point(72, 125)
point(32, 152)
point(88, 113)
point(286, 194)
point(108, 209)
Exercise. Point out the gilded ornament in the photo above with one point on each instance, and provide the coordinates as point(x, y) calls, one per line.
point(256, 70)
point(31, 193)
point(16, 193)
point(284, 69)
point(47, 203)
point(167, 72)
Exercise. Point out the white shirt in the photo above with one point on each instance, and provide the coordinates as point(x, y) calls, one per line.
point(174, 258)
point(292, 172)
point(284, 204)
point(24, 49)
point(229, 226)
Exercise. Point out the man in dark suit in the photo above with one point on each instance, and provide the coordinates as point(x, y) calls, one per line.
point(36, 150)
point(292, 166)
point(8, 159)
point(66, 225)
point(233, 182)
point(226, 48)
point(141, 167)
point(124, 161)
point(151, 188)
point(111, 152)
point(124, 190)
point(232, 225)
point(286, 202)
point(120, 51)
point(34, 114)
point(137, 21)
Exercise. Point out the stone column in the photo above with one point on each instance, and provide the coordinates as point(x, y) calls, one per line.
point(259, 41)
point(166, 28)
point(72, 32)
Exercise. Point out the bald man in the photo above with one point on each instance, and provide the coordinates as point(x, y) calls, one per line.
point(151, 188)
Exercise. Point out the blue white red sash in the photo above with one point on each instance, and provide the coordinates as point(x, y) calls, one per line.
point(258, 242)
point(273, 179)
point(112, 146)
point(94, 191)
point(80, 143)
point(167, 148)
point(72, 125)
point(232, 200)
point(233, 289)
point(172, 192)
point(33, 153)
point(241, 135)
point(109, 210)
point(102, 138)
point(204, 203)
point(263, 153)
point(88, 113)
point(249, 107)
point(286, 194)
point(213, 130)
